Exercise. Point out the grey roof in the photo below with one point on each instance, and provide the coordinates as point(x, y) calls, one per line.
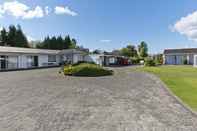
point(184, 50)
point(4, 49)
point(72, 51)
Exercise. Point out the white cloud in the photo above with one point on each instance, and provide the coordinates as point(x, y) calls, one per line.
point(187, 26)
point(47, 10)
point(105, 41)
point(20, 10)
point(15, 8)
point(36, 13)
point(64, 10)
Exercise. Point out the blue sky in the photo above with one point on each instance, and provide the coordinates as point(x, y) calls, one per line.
point(109, 24)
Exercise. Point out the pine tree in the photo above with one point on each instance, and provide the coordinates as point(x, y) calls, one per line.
point(20, 40)
point(11, 35)
point(3, 37)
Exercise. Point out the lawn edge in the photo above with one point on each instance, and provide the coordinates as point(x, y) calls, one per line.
point(163, 85)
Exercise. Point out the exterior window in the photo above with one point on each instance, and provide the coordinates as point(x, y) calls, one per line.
point(3, 62)
point(32, 61)
point(51, 58)
point(12, 62)
point(111, 60)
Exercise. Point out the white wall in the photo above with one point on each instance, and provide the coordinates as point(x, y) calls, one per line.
point(94, 58)
point(42, 60)
point(195, 61)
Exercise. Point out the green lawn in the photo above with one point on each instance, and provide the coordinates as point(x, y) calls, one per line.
point(181, 80)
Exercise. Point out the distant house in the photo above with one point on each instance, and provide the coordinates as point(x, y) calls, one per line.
point(73, 55)
point(107, 59)
point(180, 56)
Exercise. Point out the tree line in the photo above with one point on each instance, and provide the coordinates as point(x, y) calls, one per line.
point(57, 43)
point(15, 37)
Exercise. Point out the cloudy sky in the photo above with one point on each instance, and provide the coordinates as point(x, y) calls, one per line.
point(107, 24)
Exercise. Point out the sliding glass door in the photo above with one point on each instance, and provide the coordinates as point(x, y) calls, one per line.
point(32, 61)
point(8, 62)
point(3, 63)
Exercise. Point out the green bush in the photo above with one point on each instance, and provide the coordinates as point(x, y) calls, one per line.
point(149, 62)
point(86, 69)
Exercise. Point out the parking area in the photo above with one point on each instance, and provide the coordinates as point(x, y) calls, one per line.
point(43, 100)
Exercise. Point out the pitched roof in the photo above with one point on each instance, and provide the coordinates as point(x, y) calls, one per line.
point(184, 50)
point(5, 49)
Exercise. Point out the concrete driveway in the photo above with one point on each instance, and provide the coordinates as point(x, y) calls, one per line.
point(43, 100)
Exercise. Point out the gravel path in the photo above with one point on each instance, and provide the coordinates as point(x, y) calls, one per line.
point(43, 100)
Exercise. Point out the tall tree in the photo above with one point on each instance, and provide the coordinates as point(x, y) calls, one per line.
point(73, 44)
point(132, 50)
point(143, 49)
point(67, 42)
point(3, 37)
point(12, 35)
point(59, 42)
point(20, 40)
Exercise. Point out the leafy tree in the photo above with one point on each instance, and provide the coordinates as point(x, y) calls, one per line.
point(143, 49)
point(129, 51)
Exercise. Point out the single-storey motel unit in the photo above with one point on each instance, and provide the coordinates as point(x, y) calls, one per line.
point(180, 56)
point(23, 58)
point(12, 58)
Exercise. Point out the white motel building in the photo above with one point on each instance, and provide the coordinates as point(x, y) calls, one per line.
point(12, 58)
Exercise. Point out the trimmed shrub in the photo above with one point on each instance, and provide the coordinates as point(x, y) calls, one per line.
point(86, 69)
point(149, 62)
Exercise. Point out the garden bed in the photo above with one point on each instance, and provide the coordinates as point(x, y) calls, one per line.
point(86, 69)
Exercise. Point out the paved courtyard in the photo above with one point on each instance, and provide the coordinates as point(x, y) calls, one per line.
point(43, 100)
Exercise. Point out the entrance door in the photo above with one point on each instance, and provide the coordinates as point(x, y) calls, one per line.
point(3, 62)
point(36, 61)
